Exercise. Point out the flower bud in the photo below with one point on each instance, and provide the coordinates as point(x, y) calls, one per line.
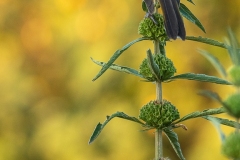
point(231, 146)
point(234, 75)
point(232, 103)
point(148, 28)
point(158, 115)
point(165, 66)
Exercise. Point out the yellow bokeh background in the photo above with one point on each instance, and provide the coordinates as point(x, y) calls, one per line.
point(49, 105)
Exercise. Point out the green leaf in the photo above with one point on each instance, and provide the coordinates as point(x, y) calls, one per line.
point(200, 114)
point(120, 68)
point(222, 121)
point(207, 41)
point(144, 7)
point(116, 55)
point(233, 49)
point(215, 62)
point(190, 1)
point(200, 77)
point(173, 139)
point(190, 16)
point(211, 95)
point(100, 126)
point(153, 66)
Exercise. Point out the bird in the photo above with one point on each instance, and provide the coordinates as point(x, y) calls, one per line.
point(172, 18)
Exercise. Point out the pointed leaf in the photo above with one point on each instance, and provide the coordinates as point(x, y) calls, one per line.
point(216, 123)
point(173, 139)
point(206, 40)
point(120, 68)
point(233, 49)
point(215, 62)
point(100, 126)
point(211, 95)
point(201, 77)
point(200, 114)
point(190, 16)
point(153, 66)
point(190, 1)
point(222, 121)
point(116, 55)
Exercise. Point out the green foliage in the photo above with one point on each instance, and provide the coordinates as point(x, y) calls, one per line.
point(100, 126)
point(232, 105)
point(165, 68)
point(200, 77)
point(158, 115)
point(231, 146)
point(173, 139)
point(201, 114)
point(116, 55)
point(148, 28)
point(207, 41)
point(189, 16)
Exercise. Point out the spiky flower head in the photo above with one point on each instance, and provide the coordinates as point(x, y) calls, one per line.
point(158, 115)
point(231, 146)
point(232, 104)
point(148, 28)
point(234, 75)
point(165, 66)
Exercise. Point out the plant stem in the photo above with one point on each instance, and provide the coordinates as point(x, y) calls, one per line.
point(158, 133)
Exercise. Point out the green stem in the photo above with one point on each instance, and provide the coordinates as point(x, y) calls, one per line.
point(158, 133)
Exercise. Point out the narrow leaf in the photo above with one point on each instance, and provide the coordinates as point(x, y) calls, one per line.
point(153, 66)
point(200, 77)
point(190, 1)
point(211, 95)
point(200, 114)
point(119, 68)
point(100, 126)
point(222, 121)
point(173, 139)
point(206, 40)
point(216, 123)
point(190, 16)
point(215, 62)
point(116, 55)
point(233, 49)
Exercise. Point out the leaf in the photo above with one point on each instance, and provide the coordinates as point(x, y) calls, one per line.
point(215, 62)
point(207, 41)
point(233, 49)
point(200, 114)
point(153, 66)
point(190, 16)
point(173, 139)
point(144, 6)
point(100, 126)
point(116, 55)
point(216, 123)
point(200, 77)
point(120, 68)
point(190, 1)
point(211, 95)
point(222, 121)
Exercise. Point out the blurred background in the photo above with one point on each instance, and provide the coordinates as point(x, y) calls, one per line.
point(49, 105)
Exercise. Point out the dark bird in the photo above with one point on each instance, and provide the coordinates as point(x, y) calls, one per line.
point(172, 18)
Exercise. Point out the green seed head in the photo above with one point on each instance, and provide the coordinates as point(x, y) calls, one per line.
point(158, 115)
point(165, 65)
point(233, 105)
point(231, 146)
point(234, 75)
point(148, 28)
